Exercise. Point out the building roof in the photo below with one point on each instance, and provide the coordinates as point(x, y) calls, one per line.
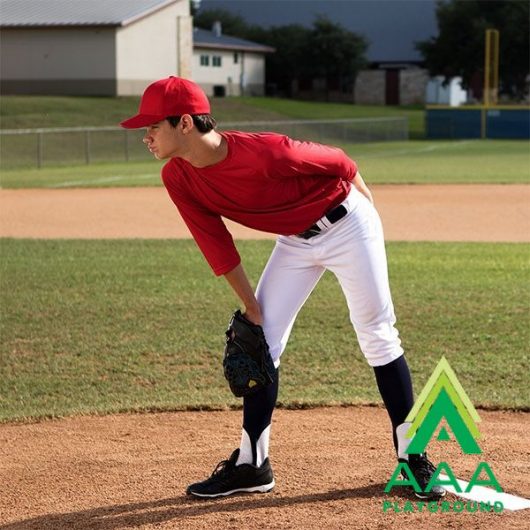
point(45, 13)
point(202, 38)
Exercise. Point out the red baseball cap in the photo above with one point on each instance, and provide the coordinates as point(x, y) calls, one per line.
point(172, 96)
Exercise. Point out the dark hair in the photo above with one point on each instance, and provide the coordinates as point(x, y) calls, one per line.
point(204, 122)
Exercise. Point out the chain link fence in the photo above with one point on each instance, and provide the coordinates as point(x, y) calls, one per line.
point(85, 145)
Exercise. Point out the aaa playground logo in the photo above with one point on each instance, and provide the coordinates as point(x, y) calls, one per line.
point(443, 398)
point(443, 402)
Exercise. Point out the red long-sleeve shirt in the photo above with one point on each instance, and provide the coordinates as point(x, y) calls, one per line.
point(267, 181)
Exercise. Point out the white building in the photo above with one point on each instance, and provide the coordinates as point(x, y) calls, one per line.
point(225, 65)
point(92, 47)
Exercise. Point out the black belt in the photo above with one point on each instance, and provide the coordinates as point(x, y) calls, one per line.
point(332, 216)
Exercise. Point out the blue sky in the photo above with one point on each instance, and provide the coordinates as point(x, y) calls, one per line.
point(391, 26)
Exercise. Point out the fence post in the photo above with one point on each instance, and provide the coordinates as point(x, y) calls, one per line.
point(87, 147)
point(39, 150)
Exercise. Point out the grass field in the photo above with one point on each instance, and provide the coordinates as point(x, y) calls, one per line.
point(98, 327)
point(413, 162)
point(417, 161)
point(73, 148)
point(22, 112)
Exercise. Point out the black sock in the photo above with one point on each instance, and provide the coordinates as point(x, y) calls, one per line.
point(395, 387)
point(257, 412)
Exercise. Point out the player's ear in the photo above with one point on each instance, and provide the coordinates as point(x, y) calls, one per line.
point(186, 122)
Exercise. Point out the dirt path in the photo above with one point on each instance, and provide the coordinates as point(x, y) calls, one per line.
point(414, 213)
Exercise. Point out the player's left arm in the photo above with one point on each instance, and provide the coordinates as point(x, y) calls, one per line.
point(294, 158)
point(361, 187)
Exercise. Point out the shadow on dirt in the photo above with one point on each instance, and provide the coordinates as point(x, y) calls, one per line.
point(178, 509)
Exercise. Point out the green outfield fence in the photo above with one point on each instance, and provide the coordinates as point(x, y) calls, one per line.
point(479, 121)
point(86, 145)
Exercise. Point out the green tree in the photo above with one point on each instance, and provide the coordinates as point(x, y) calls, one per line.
point(336, 54)
point(458, 50)
point(326, 50)
point(291, 61)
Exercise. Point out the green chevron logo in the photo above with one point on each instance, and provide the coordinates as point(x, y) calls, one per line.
point(443, 404)
point(443, 398)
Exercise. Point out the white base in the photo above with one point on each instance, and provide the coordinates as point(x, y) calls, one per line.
point(483, 494)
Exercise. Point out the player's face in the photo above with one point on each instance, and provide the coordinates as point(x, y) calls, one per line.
point(162, 140)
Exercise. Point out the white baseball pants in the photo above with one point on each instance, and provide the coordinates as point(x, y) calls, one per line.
point(353, 250)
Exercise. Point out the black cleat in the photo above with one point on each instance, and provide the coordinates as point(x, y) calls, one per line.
point(423, 470)
point(227, 478)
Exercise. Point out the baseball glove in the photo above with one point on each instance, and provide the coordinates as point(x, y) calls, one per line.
point(247, 363)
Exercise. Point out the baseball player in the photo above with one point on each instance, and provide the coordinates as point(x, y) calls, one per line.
point(315, 199)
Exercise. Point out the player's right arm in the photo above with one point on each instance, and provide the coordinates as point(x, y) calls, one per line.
point(217, 246)
point(238, 280)
point(206, 227)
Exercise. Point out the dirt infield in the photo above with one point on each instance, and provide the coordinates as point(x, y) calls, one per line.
point(331, 464)
point(414, 213)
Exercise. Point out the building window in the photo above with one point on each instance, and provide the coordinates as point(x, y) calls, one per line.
point(236, 57)
point(205, 60)
point(216, 60)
